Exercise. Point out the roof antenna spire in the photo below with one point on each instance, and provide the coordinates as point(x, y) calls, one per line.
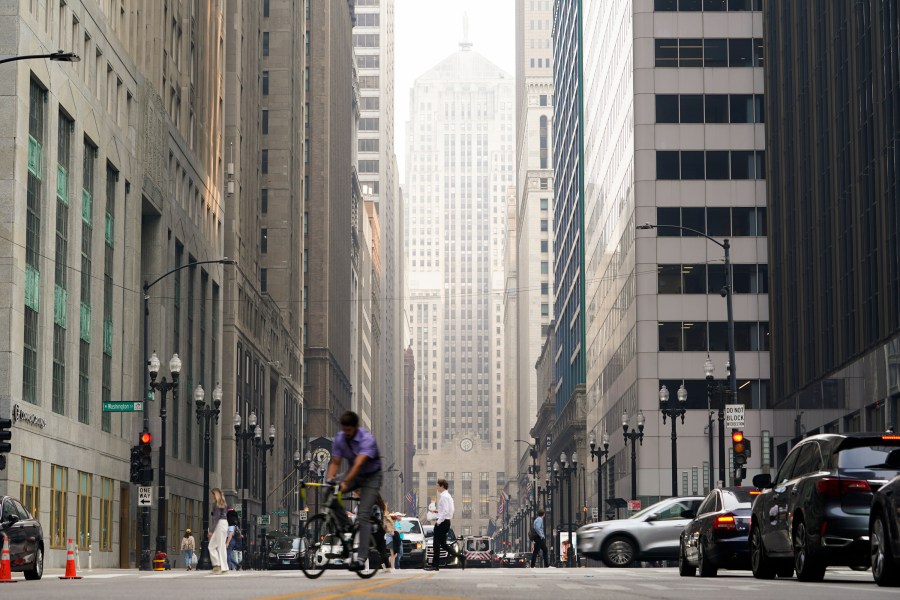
point(465, 44)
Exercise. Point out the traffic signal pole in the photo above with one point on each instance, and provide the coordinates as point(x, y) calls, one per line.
point(144, 517)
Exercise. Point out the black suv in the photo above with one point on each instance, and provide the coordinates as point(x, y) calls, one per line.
point(26, 538)
point(815, 513)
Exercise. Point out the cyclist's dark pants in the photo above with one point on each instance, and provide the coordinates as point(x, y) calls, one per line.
point(368, 486)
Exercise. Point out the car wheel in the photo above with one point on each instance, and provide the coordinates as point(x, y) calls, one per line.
point(707, 568)
point(883, 569)
point(38, 571)
point(808, 566)
point(762, 566)
point(619, 552)
point(685, 569)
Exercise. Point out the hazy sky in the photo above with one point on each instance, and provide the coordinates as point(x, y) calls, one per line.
point(427, 31)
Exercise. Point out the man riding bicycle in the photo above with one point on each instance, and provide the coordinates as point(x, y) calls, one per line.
point(359, 447)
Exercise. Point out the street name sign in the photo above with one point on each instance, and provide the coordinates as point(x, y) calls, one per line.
point(279, 511)
point(734, 416)
point(145, 496)
point(123, 406)
point(263, 520)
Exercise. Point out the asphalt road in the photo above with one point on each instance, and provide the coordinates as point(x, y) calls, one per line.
point(512, 584)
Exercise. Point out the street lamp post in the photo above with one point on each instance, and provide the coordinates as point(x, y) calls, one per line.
point(727, 292)
point(244, 435)
point(206, 416)
point(163, 387)
point(145, 511)
point(721, 393)
point(673, 412)
point(264, 447)
point(557, 488)
point(633, 436)
point(569, 468)
point(599, 455)
point(59, 56)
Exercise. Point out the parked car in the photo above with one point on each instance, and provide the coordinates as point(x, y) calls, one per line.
point(517, 560)
point(815, 513)
point(452, 541)
point(287, 553)
point(413, 541)
point(650, 534)
point(26, 538)
point(716, 538)
point(884, 529)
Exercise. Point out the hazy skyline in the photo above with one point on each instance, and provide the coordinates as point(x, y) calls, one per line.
point(427, 31)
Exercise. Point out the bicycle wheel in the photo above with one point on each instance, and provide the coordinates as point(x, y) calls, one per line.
point(320, 541)
point(373, 561)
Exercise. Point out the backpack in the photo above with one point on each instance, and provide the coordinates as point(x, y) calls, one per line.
point(533, 534)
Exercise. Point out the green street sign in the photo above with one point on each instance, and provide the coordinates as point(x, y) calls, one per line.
point(263, 520)
point(123, 406)
point(279, 511)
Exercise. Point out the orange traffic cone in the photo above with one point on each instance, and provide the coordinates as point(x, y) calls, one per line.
point(5, 570)
point(70, 562)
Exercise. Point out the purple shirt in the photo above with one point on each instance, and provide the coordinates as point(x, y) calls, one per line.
point(361, 443)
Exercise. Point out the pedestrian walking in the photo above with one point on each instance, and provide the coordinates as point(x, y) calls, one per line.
point(539, 537)
point(445, 509)
point(187, 549)
point(231, 538)
point(218, 532)
point(358, 446)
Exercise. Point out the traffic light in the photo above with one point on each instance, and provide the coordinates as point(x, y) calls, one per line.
point(135, 464)
point(741, 447)
point(5, 436)
point(146, 463)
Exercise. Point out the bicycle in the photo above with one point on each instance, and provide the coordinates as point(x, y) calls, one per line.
point(331, 539)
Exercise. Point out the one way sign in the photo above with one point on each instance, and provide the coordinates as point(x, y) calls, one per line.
point(145, 496)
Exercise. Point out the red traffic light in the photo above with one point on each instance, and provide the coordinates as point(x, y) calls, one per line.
point(146, 438)
point(737, 437)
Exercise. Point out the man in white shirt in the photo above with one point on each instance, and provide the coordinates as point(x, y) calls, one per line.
point(445, 509)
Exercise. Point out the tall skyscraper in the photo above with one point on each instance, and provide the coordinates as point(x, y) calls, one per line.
point(264, 175)
point(373, 44)
point(460, 148)
point(330, 135)
point(568, 227)
point(533, 243)
point(673, 136)
point(113, 176)
point(834, 228)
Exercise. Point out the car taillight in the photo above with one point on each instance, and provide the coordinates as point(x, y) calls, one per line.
point(725, 522)
point(833, 486)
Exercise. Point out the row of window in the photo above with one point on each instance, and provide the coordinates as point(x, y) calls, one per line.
point(30, 494)
point(725, 221)
point(710, 108)
point(707, 5)
point(710, 164)
point(752, 393)
point(712, 336)
point(709, 52)
point(710, 279)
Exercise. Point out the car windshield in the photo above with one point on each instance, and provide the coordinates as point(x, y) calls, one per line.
point(406, 526)
point(285, 544)
point(654, 508)
point(738, 499)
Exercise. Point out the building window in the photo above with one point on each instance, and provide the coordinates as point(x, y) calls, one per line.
point(264, 240)
point(711, 165)
point(264, 280)
point(708, 52)
point(265, 43)
point(83, 515)
point(265, 121)
point(264, 161)
point(106, 514)
point(264, 200)
point(265, 83)
point(59, 487)
point(368, 166)
point(30, 490)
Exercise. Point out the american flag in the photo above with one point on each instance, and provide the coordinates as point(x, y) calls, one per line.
point(411, 501)
point(501, 506)
point(528, 489)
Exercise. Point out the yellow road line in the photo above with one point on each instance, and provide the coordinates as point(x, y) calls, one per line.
point(341, 591)
point(411, 596)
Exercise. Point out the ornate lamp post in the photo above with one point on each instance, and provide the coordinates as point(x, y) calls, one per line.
point(244, 435)
point(569, 469)
point(264, 447)
point(163, 387)
point(206, 416)
point(722, 394)
point(673, 412)
point(600, 455)
point(633, 436)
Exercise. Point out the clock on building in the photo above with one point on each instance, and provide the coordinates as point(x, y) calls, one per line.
point(322, 456)
point(466, 444)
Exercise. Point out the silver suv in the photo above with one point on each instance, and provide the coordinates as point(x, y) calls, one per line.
point(650, 534)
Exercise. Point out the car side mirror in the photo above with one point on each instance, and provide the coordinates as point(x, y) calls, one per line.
point(11, 519)
point(762, 481)
point(651, 518)
point(687, 514)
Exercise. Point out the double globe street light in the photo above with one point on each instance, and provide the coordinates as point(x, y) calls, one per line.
point(673, 411)
point(163, 387)
point(207, 416)
point(263, 448)
point(633, 436)
point(244, 435)
point(599, 455)
point(568, 469)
